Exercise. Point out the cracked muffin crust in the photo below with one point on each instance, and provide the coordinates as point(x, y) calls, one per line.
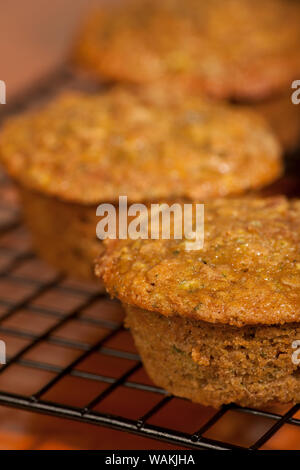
point(252, 54)
point(215, 364)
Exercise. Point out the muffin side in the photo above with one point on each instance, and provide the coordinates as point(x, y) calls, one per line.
point(217, 364)
point(63, 234)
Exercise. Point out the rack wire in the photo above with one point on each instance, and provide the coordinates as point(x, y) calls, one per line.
point(40, 310)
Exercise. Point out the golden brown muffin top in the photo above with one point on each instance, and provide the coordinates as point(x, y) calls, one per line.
point(90, 149)
point(247, 273)
point(243, 49)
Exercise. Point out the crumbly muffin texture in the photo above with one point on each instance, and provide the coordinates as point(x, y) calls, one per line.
point(248, 271)
point(93, 148)
point(242, 49)
point(217, 364)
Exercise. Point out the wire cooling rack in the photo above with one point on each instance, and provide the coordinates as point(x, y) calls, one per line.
point(69, 356)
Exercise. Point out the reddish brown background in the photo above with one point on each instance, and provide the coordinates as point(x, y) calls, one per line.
point(35, 36)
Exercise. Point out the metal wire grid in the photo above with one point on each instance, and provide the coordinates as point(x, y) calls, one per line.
point(17, 256)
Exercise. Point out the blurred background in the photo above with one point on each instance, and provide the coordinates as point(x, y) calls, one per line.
point(35, 37)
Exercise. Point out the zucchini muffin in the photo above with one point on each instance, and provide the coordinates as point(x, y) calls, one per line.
point(82, 150)
point(217, 325)
point(241, 50)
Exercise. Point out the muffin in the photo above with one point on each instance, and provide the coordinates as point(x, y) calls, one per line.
point(241, 50)
point(217, 325)
point(82, 150)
